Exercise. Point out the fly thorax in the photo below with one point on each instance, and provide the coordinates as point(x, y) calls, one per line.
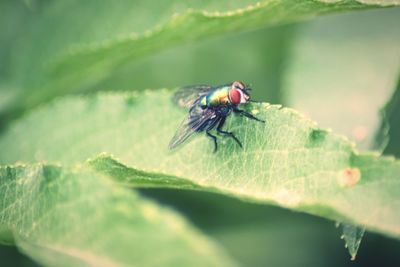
point(219, 97)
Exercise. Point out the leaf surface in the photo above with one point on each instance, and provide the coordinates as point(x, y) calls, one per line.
point(287, 161)
point(62, 217)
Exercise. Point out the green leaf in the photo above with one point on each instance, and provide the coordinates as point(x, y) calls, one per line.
point(62, 217)
point(287, 161)
point(93, 39)
point(354, 64)
point(6, 236)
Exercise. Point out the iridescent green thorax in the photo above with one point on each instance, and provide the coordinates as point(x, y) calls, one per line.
point(217, 97)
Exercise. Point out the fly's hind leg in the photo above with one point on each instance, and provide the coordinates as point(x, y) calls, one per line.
point(214, 138)
point(211, 125)
point(230, 134)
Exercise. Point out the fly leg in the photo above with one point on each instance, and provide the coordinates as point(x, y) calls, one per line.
point(230, 134)
point(214, 138)
point(248, 115)
point(210, 125)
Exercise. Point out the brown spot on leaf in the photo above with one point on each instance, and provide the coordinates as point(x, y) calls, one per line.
point(349, 177)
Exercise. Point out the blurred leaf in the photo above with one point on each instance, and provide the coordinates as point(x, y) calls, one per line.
point(65, 217)
point(6, 236)
point(389, 132)
point(260, 235)
point(7, 97)
point(282, 244)
point(341, 77)
point(258, 57)
point(288, 161)
point(13, 19)
point(71, 46)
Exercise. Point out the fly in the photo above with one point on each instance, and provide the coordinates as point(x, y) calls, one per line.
point(208, 109)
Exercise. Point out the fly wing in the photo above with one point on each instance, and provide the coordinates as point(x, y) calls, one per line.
point(187, 96)
point(192, 123)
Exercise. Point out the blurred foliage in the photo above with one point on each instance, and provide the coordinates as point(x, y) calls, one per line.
point(260, 235)
point(339, 70)
point(73, 58)
point(387, 136)
point(10, 256)
point(244, 56)
point(354, 64)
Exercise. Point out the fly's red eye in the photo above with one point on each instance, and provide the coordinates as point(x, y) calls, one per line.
point(235, 96)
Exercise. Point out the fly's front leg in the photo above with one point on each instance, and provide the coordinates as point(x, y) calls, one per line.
point(247, 114)
point(230, 134)
point(214, 138)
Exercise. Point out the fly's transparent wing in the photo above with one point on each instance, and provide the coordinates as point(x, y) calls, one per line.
point(187, 96)
point(197, 119)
